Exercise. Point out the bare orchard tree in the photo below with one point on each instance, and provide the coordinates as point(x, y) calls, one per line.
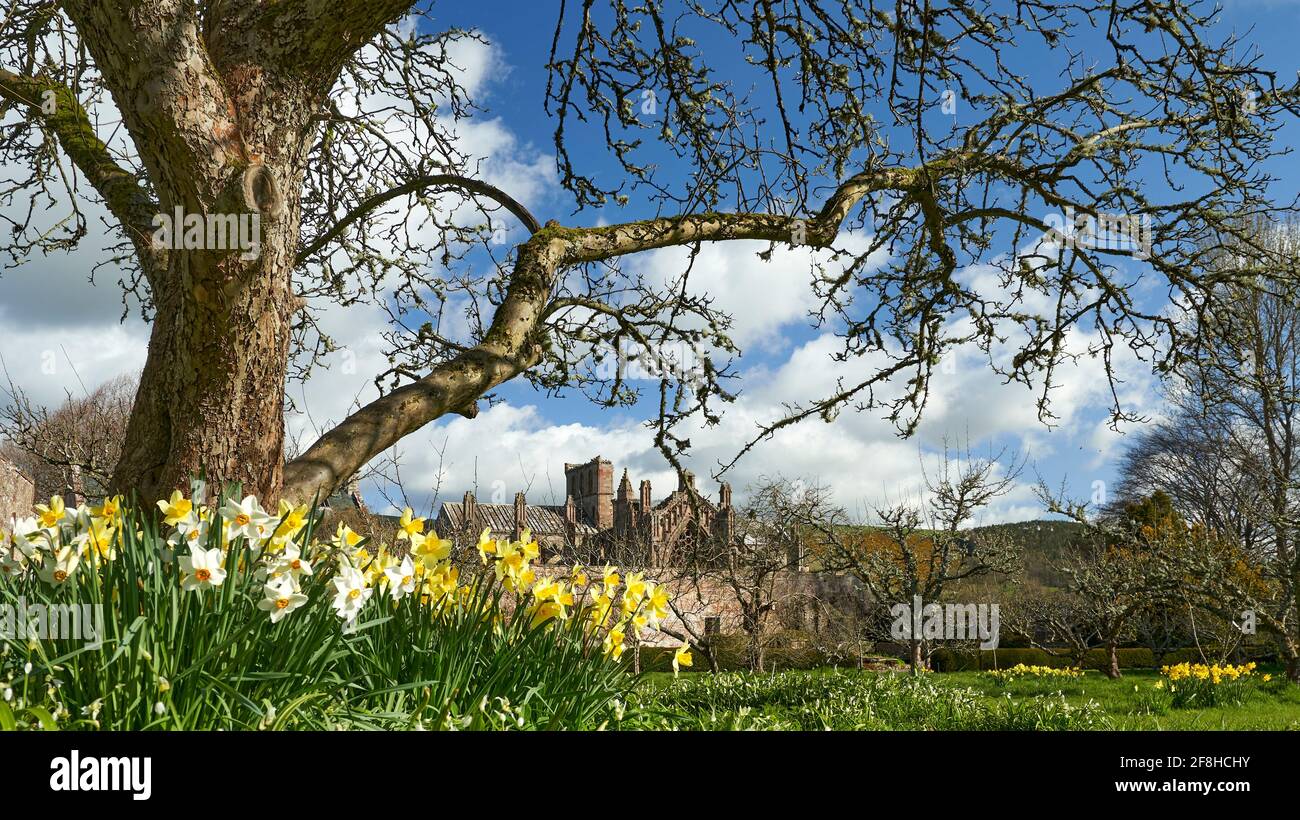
point(1058, 622)
point(923, 549)
point(1164, 629)
point(777, 528)
point(334, 124)
point(77, 443)
point(692, 603)
point(1127, 565)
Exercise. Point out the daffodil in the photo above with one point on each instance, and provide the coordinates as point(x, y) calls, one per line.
point(280, 597)
point(401, 579)
point(246, 519)
point(613, 644)
point(528, 547)
point(12, 562)
point(441, 582)
point(486, 545)
point(290, 562)
point(202, 569)
point(636, 587)
point(59, 567)
point(98, 539)
point(611, 581)
point(351, 593)
point(657, 603)
point(176, 509)
point(409, 526)
point(600, 609)
point(29, 537)
point(430, 549)
point(292, 521)
point(552, 599)
point(682, 657)
point(51, 515)
point(109, 509)
point(193, 534)
point(347, 539)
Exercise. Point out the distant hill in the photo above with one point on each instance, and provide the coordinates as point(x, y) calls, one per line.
point(1042, 542)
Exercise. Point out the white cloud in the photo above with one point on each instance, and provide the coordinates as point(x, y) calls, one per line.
point(764, 297)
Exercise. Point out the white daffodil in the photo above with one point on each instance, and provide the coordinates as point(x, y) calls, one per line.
point(202, 568)
point(290, 562)
point(58, 568)
point(247, 518)
point(401, 579)
point(12, 562)
point(29, 537)
point(191, 536)
point(352, 593)
point(280, 597)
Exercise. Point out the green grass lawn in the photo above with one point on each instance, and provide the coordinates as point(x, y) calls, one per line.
point(851, 699)
point(1273, 705)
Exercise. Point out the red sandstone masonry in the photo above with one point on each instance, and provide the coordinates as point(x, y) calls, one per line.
point(17, 494)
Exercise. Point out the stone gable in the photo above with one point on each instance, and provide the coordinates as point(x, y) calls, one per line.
point(17, 494)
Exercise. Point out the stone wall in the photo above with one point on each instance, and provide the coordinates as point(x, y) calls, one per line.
point(807, 601)
point(16, 494)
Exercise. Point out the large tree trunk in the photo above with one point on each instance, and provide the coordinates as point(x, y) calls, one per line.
point(222, 109)
point(210, 402)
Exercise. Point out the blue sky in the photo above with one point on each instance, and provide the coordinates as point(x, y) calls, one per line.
point(522, 443)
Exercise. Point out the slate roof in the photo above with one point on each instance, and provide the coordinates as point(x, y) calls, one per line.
point(542, 519)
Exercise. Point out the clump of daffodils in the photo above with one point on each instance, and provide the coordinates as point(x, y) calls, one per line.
point(57, 541)
point(609, 605)
point(1021, 670)
point(346, 572)
point(1201, 685)
point(1215, 673)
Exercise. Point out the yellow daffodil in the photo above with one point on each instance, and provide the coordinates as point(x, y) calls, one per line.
point(613, 644)
point(52, 514)
point(636, 587)
point(610, 580)
point(682, 657)
point(430, 549)
point(175, 509)
point(409, 525)
point(486, 545)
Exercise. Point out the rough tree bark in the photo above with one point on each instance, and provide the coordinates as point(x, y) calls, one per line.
point(222, 112)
